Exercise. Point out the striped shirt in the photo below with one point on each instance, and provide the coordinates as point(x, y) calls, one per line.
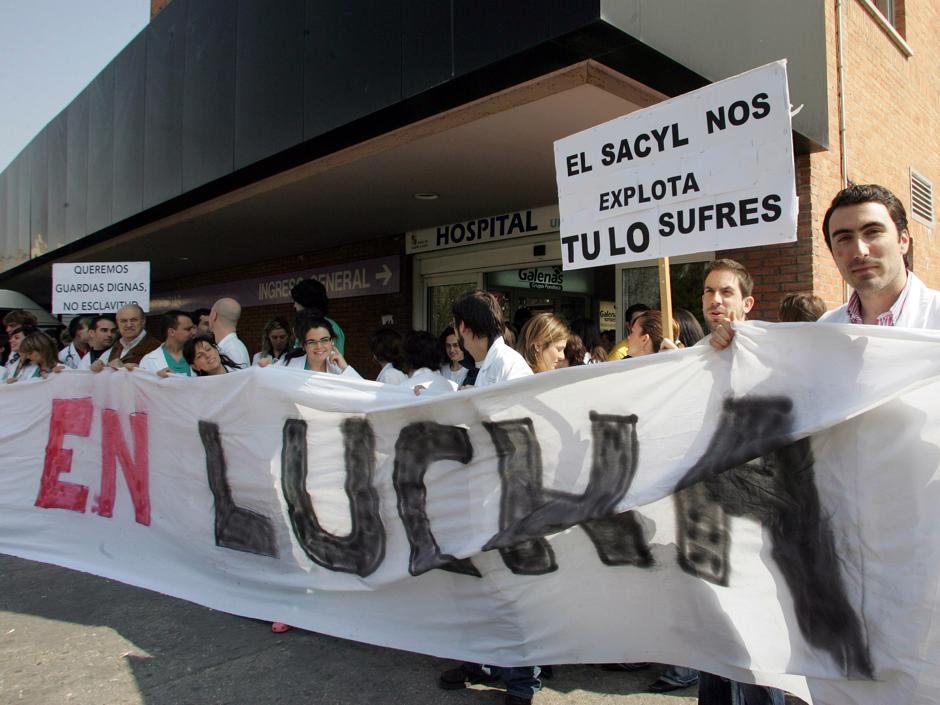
point(887, 318)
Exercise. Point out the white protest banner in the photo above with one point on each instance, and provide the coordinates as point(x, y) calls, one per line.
point(709, 170)
point(767, 513)
point(99, 287)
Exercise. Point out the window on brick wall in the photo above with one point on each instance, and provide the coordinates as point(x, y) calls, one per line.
point(893, 12)
point(886, 7)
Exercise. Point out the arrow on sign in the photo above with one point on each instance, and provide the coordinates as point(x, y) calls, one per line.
point(385, 275)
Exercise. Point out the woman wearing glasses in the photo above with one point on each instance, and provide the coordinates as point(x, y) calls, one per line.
point(318, 352)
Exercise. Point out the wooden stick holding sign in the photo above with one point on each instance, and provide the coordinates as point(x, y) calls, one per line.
point(665, 298)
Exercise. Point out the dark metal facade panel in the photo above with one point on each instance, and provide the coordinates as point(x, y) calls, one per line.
point(352, 61)
point(38, 194)
point(15, 220)
point(6, 228)
point(100, 149)
point(211, 86)
point(489, 30)
point(163, 120)
point(130, 75)
point(76, 168)
point(208, 91)
point(427, 45)
point(269, 78)
point(570, 15)
point(56, 159)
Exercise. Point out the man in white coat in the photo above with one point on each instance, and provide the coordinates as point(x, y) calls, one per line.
point(866, 231)
point(478, 321)
point(224, 319)
point(168, 358)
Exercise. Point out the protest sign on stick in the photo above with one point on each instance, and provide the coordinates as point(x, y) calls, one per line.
point(665, 297)
point(709, 170)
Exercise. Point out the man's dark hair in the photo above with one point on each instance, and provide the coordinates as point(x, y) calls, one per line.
point(20, 318)
point(632, 311)
point(105, 317)
point(197, 314)
point(480, 312)
point(77, 323)
point(745, 281)
point(311, 294)
point(170, 319)
point(857, 194)
point(421, 349)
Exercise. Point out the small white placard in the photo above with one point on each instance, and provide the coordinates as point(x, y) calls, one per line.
point(81, 288)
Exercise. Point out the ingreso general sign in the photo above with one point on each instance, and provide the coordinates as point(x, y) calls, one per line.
point(99, 287)
point(709, 170)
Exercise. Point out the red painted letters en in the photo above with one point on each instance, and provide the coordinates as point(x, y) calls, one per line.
point(73, 417)
point(136, 470)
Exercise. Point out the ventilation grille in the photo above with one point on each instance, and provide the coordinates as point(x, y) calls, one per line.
point(921, 198)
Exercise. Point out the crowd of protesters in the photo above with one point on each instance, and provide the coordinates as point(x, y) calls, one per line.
point(865, 229)
point(478, 349)
point(205, 341)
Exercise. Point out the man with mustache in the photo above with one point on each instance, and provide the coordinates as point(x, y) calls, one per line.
point(866, 231)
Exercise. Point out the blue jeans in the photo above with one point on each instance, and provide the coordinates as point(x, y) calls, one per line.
point(521, 681)
point(715, 690)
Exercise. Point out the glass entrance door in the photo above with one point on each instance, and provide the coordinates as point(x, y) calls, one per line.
point(640, 284)
point(525, 273)
point(546, 288)
point(568, 306)
point(442, 292)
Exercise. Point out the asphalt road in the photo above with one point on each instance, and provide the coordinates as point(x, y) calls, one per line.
point(68, 638)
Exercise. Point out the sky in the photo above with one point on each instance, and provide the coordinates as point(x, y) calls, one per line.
point(49, 51)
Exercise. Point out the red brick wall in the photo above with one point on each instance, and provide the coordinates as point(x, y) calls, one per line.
point(358, 316)
point(781, 269)
point(891, 127)
point(891, 124)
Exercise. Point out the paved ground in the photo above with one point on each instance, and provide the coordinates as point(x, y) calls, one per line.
point(68, 638)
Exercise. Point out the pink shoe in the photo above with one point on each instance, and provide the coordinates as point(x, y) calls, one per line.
point(279, 627)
